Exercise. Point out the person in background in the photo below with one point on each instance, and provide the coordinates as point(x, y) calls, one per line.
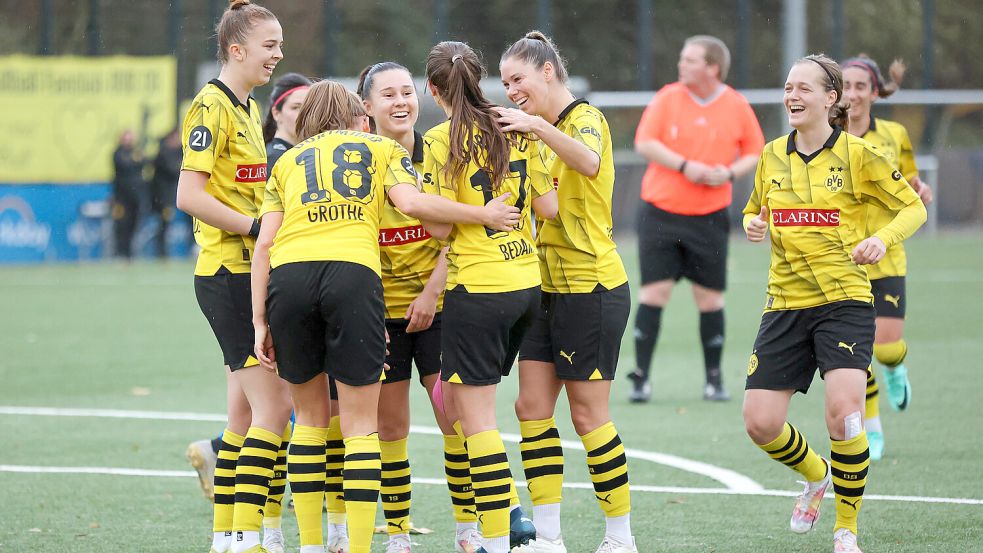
point(128, 185)
point(163, 187)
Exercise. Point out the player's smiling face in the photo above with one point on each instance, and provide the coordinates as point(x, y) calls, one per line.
point(525, 85)
point(857, 90)
point(393, 102)
point(806, 101)
point(261, 51)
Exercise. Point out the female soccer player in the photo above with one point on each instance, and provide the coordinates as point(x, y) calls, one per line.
point(575, 341)
point(813, 189)
point(493, 281)
point(414, 273)
point(317, 276)
point(280, 125)
point(863, 84)
point(221, 183)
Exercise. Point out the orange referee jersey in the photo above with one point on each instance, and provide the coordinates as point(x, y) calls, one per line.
point(718, 131)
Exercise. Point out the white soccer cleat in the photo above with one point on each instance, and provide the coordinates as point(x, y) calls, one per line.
point(806, 511)
point(273, 540)
point(467, 541)
point(398, 543)
point(543, 545)
point(613, 545)
point(203, 459)
point(845, 541)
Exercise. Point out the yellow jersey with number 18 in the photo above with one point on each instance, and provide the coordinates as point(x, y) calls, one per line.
point(224, 138)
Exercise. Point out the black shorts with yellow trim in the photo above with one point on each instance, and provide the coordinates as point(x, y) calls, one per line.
point(482, 333)
point(227, 303)
point(889, 296)
point(412, 348)
point(327, 317)
point(793, 343)
point(580, 334)
point(673, 246)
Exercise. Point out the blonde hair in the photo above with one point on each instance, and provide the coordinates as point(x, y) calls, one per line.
point(235, 24)
point(537, 49)
point(329, 106)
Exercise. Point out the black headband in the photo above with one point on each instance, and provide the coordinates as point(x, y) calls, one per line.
point(832, 81)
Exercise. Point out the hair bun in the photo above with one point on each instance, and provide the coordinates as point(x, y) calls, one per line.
point(236, 4)
point(536, 35)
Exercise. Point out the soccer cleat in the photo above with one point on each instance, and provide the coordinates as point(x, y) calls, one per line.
point(806, 511)
point(467, 541)
point(521, 528)
point(273, 540)
point(641, 390)
point(613, 545)
point(543, 545)
point(875, 441)
point(398, 543)
point(715, 391)
point(203, 459)
point(898, 387)
point(844, 541)
point(338, 540)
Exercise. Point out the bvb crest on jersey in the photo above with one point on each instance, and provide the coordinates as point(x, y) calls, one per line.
point(834, 182)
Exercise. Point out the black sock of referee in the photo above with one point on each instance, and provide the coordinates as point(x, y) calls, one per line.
point(647, 324)
point(712, 338)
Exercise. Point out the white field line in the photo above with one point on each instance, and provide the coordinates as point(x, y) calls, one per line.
point(730, 479)
point(441, 482)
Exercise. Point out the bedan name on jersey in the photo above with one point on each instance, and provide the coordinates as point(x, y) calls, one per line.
point(515, 248)
point(322, 213)
point(806, 217)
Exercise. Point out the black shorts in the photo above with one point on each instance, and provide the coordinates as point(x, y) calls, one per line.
point(889, 296)
point(793, 343)
point(482, 333)
point(327, 317)
point(407, 348)
point(580, 333)
point(226, 301)
point(672, 246)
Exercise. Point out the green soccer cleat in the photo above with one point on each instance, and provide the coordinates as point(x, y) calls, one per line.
point(898, 387)
point(875, 443)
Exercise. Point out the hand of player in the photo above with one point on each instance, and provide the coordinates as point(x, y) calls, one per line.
point(512, 119)
point(696, 172)
point(758, 227)
point(869, 251)
point(716, 175)
point(263, 347)
point(923, 190)
point(500, 215)
point(421, 311)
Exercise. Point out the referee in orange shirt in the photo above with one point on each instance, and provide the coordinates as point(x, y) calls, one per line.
point(699, 135)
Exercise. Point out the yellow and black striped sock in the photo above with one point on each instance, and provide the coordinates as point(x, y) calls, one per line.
point(542, 460)
point(608, 469)
point(457, 468)
point(278, 485)
point(791, 449)
point(334, 464)
point(849, 460)
point(492, 481)
point(873, 396)
point(396, 489)
point(225, 480)
point(253, 473)
point(363, 476)
point(305, 470)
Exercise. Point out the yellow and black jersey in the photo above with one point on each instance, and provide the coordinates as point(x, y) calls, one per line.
point(891, 139)
point(479, 258)
point(409, 253)
point(818, 214)
point(576, 249)
point(224, 138)
point(331, 189)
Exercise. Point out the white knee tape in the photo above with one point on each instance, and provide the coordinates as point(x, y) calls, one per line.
point(853, 425)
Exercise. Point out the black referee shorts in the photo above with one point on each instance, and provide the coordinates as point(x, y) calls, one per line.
point(672, 246)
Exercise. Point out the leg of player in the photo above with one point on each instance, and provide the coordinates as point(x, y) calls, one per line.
point(606, 460)
point(394, 428)
point(272, 514)
point(457, 469)
point(542, 456)
point(359, 408)
point(710, 304)
point(269, 399)
point(334, 491)
point(652, 299)
point(224, 471)
point(849, 455)
point(890, 350)
point(306, 460)
point(765, 419)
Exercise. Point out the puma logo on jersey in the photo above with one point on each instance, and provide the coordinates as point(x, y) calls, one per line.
point(845, 346)
point(569, 357)
point(854, 504)
point(893, 300)
point(778, 183)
